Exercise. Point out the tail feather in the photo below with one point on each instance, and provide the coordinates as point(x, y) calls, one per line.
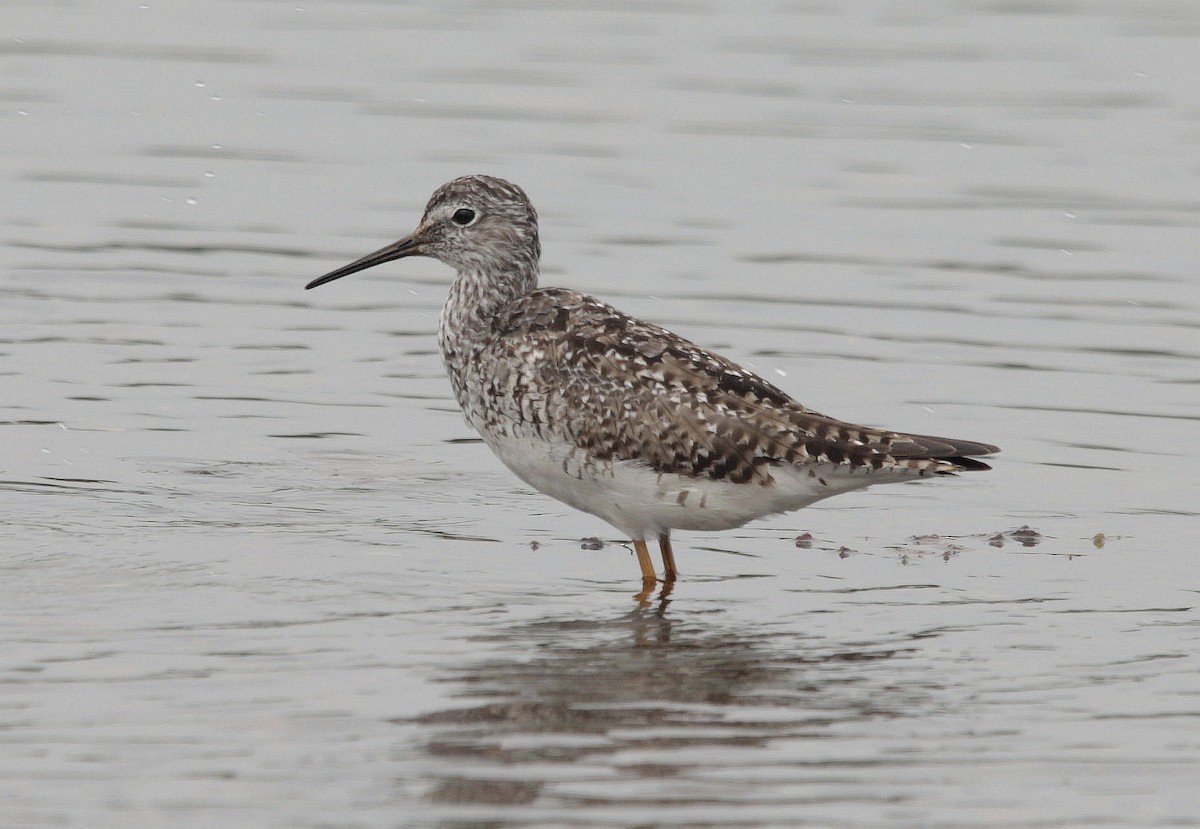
point(960, 453)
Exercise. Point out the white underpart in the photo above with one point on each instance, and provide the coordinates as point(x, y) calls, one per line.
point(641, 502)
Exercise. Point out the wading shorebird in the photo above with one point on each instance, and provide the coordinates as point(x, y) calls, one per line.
point(621, 418)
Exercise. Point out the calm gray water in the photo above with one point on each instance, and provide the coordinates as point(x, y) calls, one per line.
point(254, 571)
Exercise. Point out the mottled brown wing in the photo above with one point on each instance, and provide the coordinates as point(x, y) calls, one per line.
point(629, 390)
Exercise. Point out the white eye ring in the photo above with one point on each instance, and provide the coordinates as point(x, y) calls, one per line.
point(464, 216)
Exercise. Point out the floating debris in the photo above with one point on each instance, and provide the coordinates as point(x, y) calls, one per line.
point(1026, 535)
point(591, 543)
point(1098, 540)
point(952, 550)
point(804, 541)
point(946, 547)
point(844, 552)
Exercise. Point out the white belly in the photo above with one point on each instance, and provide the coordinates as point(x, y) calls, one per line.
point(641, 502)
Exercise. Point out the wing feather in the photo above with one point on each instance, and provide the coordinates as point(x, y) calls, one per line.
point(623, 389)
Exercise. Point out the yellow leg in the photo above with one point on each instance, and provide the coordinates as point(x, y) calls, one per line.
point(648, 577)
point(643, 555)
point(668, 556)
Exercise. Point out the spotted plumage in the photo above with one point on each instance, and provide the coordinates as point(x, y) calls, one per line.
point(619, 417)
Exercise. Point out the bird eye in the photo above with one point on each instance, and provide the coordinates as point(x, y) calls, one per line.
point(463, 216)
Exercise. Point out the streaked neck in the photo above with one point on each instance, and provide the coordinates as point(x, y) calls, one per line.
point(475, 298)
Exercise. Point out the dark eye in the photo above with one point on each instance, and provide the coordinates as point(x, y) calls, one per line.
point(463, 216)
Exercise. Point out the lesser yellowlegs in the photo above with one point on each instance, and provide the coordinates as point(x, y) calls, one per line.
point(621, 418)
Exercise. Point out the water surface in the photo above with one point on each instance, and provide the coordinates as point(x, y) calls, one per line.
point(257, 572)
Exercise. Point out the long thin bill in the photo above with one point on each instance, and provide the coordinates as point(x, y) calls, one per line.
point(407, 246)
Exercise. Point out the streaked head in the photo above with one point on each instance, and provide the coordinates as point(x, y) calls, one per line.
point(474, 223)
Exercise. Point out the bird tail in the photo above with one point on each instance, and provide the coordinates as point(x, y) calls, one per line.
point(941, 456)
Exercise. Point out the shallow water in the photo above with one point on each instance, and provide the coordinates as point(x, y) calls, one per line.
point(256, 570)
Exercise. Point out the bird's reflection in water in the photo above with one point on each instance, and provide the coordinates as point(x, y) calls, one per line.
point(644, 695)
